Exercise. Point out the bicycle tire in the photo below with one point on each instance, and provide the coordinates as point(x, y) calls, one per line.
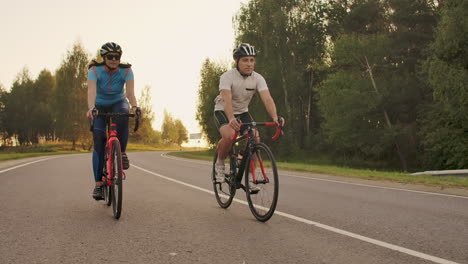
point(224, 192)
point(117, 174)
point(262, 204)
point(107, 189)
point(107, 194)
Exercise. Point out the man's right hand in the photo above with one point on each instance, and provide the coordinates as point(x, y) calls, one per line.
point(279, 121)
point(234, 124)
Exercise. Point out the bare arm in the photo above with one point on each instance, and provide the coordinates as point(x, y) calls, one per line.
point(91, 98)
point(227, 103)
point(130, 91)
point(91, 94)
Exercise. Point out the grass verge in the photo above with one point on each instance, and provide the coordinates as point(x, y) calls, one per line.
point(20, 152)
point(430, 180)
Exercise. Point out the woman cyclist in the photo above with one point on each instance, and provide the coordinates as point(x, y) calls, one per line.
point(106, 82)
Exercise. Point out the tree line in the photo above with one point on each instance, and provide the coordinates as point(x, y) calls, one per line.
point(367, 83)
point(53, 107)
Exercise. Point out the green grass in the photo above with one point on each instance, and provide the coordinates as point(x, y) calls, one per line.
point(48, 149)
point(9, 153)
point(201, 155)
point(11, 156)
point(430, 180)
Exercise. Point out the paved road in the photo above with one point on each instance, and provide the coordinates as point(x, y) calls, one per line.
point(170, 216)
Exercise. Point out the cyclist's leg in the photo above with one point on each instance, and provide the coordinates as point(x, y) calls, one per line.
point(247, 118)
point(122, 129)
point(227, 133)
point(224, 144)
point(122, 123)
point(99, 137)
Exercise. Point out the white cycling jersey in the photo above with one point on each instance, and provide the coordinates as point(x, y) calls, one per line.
point(242, 89)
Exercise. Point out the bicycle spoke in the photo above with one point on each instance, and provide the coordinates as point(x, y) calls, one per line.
point(117, 180)
point(224, 191)
point(262, 183)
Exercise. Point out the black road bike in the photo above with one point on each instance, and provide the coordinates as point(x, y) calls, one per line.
point(256, 161)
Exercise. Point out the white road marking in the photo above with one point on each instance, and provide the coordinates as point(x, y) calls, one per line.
point(25, 164)
point(334, 181)
point(319, 225)
point(380, 187)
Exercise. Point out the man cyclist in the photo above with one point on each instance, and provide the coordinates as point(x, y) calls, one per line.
point(237, 87)
point(106, 82)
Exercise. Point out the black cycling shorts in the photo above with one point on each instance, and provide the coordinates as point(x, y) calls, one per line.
point(221, 119)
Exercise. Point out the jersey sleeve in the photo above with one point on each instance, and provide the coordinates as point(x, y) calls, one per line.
point(261, 83)
point(92, 75)
point(129, 74)
point(225, 83)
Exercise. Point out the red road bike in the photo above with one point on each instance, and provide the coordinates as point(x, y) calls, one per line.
point(113, 174)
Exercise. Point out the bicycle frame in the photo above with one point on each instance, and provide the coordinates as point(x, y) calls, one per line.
point(248, 151)
point(112, 136)
point(261, 185)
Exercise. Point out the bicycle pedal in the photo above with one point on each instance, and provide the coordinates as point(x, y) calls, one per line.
point(254, 191)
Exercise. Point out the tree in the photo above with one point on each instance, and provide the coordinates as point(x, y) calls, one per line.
point(146, 134)
point(209, 89)
point(168, 132)
point(356, 117)
point(445, 119)
point(3, 131)
point(182, 133)
point(173, 131)
point(19, 106)
point(71, 96)
point(407, 27)
point(42, 119)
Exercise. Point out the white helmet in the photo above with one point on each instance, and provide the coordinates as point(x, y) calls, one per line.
point(244, 49)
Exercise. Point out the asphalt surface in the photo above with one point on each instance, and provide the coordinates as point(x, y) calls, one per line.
point(170, 215)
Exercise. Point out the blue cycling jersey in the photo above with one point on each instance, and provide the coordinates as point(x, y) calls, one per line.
point(109, 83)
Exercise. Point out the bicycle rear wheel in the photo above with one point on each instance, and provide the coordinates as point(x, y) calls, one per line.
point(225, 191)
point(261, 182)
point(117, 174)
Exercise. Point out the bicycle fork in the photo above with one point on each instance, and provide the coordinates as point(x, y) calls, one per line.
point(110, 170)
point(262, 169)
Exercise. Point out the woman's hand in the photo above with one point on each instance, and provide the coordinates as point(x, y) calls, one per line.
point(89, 114)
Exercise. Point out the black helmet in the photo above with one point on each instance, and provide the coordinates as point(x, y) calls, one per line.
point(110, 47)
point(244, 49)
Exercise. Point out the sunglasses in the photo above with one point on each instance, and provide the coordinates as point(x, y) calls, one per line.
point(111, 57)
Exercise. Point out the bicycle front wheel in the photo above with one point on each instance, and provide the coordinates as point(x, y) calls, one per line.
point(224, 191)
point(106, 188)
point(117, 175)
point(261, 182)
point(107, 194)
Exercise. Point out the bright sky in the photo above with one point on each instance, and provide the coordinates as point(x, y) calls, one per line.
point(165, 41)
